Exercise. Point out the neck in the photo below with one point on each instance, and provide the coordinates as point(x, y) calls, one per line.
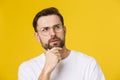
point(66, 52)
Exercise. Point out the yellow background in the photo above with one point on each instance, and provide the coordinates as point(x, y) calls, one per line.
point(93, 27)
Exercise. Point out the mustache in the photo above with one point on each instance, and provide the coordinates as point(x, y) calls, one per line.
point(54, 38)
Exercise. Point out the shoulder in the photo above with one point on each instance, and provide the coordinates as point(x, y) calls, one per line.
point(83, 60)
point(32, 62)
point(88, 65)
point(31, 68)
point(82, 57)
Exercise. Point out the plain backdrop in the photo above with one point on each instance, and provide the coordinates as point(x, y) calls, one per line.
point(93, 27)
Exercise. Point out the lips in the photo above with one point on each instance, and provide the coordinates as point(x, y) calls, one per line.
point(54, 41)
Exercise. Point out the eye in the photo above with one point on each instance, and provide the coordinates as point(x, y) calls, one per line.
point(45, 29)
point(57, 27)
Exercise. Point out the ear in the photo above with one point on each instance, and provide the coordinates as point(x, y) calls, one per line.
point(64, 29)
point(37, 36)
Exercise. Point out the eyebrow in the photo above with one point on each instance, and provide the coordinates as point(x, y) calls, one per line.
point(48, 26)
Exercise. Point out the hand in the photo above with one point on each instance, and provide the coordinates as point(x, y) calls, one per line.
point(53, 57)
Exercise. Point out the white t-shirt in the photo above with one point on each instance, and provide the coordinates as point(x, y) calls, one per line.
point(77, 66)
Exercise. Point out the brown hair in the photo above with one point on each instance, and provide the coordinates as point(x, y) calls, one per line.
point(46, 12)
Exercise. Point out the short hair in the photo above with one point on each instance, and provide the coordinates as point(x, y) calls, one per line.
point(46, 12)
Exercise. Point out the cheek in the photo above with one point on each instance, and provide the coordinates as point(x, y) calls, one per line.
point(44, 39)
point(61, 36)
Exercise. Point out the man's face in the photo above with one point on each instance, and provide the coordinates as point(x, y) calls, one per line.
point(50, 32)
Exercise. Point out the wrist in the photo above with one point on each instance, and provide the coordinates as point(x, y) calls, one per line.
point(46, 71)
point(45, 75)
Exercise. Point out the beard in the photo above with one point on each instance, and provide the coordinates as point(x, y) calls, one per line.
point(48, 46)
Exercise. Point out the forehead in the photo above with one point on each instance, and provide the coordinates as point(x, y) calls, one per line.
point(48, 21)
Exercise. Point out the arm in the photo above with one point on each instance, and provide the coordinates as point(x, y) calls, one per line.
point(44, 75)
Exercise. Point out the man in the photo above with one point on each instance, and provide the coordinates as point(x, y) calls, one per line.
point(57, 62)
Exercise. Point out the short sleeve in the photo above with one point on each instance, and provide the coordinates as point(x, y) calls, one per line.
point(24, 72)
point(95, 72)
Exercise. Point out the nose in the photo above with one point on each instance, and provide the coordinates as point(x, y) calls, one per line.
point(52, 32)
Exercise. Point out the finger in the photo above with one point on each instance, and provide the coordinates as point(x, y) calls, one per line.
point(46, 51)
point(56, 48)
point(58, 57)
